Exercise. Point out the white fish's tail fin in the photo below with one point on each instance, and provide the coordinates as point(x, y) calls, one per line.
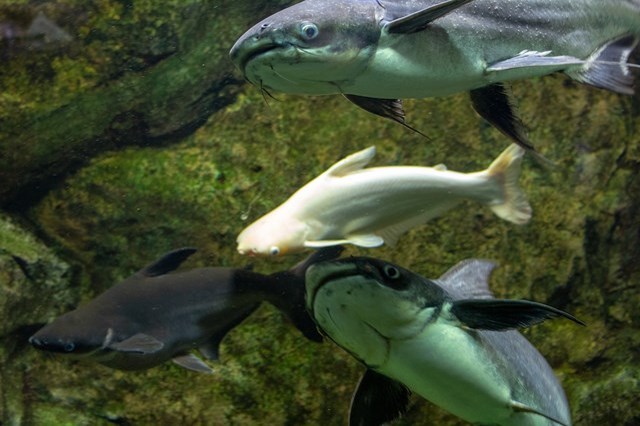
point(608, 68)
point(506, 169)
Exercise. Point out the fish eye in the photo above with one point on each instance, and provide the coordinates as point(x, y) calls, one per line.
point(69, 347)
point(310, 30)
point(391, 272)
point(274, 251)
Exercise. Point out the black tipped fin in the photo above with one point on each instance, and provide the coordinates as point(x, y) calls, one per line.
point(138, 343)
point(168, 262)
point(421, 19)
point(608, 69)
point(193, 363)
point(494, 105)
point(377, 400)
point(500, 315)
point(386, 108)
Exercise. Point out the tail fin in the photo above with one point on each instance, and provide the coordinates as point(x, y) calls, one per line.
point(506, 169)
point(608, 68)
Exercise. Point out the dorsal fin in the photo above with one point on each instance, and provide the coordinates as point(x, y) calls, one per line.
point(419, 20)
point(351, 163)
point(167, 263)
point(468, 279)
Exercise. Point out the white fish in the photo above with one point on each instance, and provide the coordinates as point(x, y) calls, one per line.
point(348, 204)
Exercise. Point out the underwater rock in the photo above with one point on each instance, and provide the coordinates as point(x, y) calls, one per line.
point(34, 286)
point(79, 79)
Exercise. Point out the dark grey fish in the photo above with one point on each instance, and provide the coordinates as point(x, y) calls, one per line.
point(448, 340)
point(153, 316)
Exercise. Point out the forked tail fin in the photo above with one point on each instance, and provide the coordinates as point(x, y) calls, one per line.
point(506, 169)
point(608, 68)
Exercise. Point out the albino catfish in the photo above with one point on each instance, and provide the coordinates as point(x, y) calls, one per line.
point(376, 52)
point(447, 340)
point(349, 204)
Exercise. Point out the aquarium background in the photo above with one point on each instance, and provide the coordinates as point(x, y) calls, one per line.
point(125, 132)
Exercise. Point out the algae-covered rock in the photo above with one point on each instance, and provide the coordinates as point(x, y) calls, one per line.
point(35, 286)
point(79, 78)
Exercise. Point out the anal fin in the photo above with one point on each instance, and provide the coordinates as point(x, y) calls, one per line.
point(193, 363)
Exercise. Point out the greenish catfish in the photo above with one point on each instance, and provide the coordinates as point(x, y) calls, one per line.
point(447, 340)
point(376, 52)
point(153, 316)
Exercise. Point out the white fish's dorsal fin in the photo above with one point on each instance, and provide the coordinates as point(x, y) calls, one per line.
point(351, 163)
point(468, 279)
point(523, 408)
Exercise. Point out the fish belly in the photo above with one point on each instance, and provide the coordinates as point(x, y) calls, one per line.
point(446, 366)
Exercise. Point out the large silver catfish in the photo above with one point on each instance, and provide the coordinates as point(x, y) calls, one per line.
point(376, 52)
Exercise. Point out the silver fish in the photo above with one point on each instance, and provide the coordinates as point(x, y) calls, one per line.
point(376, 52)
point(448, 340)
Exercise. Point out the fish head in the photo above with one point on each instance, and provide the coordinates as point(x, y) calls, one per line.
point(364, 304)
point(313, 47)
point(70, 334)
point(272, 235)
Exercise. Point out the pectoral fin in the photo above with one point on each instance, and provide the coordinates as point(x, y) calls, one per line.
point(138, 343)
point(377, 400)
point(419, 20)
point(500, 315)
point(362, 240)
point(385, 108)
point(193, 363)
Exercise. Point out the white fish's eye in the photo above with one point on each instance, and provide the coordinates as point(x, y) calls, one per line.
point(274, 251)
point(391, 272)
point(309, 30)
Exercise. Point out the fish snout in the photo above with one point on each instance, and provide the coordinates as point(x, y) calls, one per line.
point(52, 346)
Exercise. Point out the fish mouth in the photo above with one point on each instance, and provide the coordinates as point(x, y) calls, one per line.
point(327, 272)
point(246, 50)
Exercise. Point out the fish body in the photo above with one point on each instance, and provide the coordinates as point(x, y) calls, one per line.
point(378, 51)
point(368, 207)
point(448, 341)
point(153, 316)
